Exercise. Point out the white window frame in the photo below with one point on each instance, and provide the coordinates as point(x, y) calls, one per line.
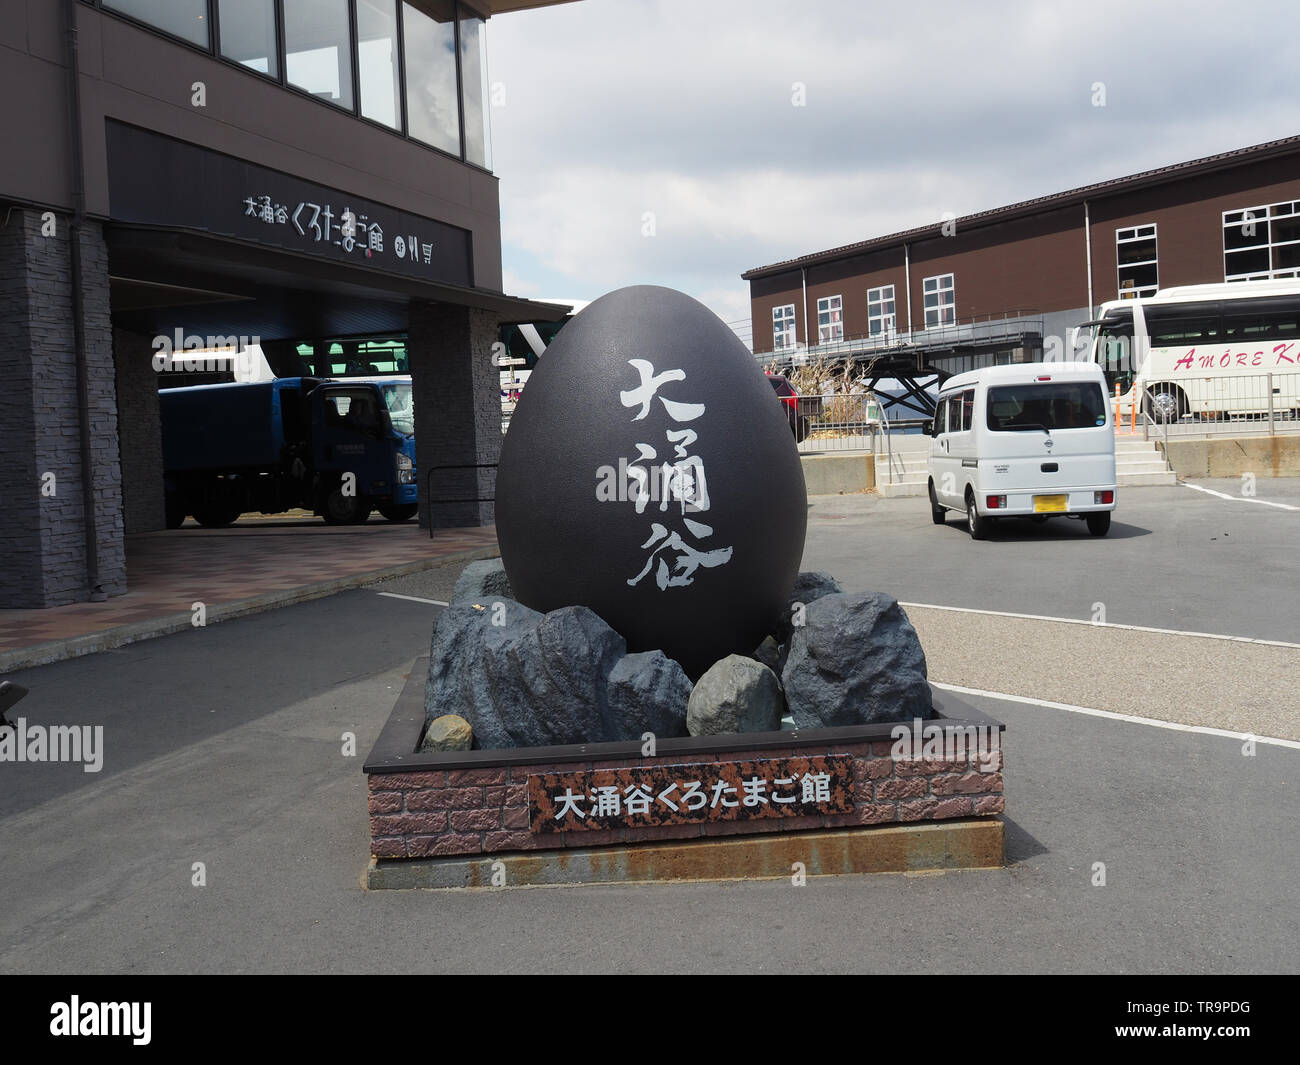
point(944, 311)
point(784, 336)
point(1262, 216)
point(830, 319)
point(880, 322)
point(1134, 235)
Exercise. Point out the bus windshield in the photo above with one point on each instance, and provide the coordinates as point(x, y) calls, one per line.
point(1113, 348)
point(1049, 406)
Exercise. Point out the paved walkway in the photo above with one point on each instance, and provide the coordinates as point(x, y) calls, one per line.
point(252, 566)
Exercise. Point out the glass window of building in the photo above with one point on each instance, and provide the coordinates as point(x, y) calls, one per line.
point(187, 19)
point(830, 319)
point(1136, 261)
point(474, 80)
point(783, 327)
point(881, 317)
point(318, 49)
point(1260, 243)
point(247, 29)
point(377, 61)
point(432, 110)
point(939, 295)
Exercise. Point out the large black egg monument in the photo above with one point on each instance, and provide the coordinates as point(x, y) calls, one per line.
point(650, 474)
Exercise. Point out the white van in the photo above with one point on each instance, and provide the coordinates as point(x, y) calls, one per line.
point(1035, 439)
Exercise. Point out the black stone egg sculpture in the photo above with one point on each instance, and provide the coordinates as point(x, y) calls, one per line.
point(649, 472)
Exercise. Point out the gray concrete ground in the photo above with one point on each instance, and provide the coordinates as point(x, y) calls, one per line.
point(226, 746)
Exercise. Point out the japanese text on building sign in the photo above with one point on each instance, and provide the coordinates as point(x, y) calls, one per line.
point(344, 229)
point(678, 482)
point(681, 794)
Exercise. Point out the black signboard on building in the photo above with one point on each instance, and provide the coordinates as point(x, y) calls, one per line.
point(156, 180)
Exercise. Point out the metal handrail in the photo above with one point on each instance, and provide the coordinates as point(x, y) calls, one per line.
point(442, 502)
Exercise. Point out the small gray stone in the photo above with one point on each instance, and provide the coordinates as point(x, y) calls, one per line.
point(856, 660)
point(648, 692)
point(448, 733)
point(482, 582)
point(808, 588)
point(737, 694)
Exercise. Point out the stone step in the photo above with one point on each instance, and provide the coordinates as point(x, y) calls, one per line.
point(1136, 480)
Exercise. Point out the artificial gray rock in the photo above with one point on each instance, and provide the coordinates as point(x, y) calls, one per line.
point(737, 694)
point(808, 588)
point(448, 733)
point(769, 653)
point(524, 679)
point(520, 678)
point(482, 582)
point(854, 661)
point(647, 692)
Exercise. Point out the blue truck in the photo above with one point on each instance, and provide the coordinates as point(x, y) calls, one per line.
point(340, 448)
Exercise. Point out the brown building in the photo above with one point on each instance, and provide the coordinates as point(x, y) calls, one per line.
point(314, 174)
point(1015, 282)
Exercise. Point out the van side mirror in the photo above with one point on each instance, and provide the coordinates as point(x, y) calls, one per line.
point(927, 428)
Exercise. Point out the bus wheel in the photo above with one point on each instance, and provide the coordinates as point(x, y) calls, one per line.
point(1099, 523)
point(1166, 404)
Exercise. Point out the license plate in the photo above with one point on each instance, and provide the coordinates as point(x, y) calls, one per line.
point(1051, 504)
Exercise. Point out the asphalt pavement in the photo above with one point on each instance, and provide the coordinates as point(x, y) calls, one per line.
point(239, 746)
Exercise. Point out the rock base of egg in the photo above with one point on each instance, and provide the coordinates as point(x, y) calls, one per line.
point(526, 679)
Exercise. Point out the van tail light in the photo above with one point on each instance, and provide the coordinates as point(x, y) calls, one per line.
point(1103, 497)
point(995, 502)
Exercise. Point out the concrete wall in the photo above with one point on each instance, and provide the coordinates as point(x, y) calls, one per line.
point(830, 475)
point(140, 436)
point(42, 522)
point(457, 409)
point(1264, 456)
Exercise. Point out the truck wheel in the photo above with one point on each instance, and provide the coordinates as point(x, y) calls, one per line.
point(1099, 523)
point(174, 511)
point(938, 514)
point(216, 518)
point(976, 525)
point(399, 512)
point(338, 509)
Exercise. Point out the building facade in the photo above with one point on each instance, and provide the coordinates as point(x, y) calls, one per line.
point(1015, 283)
point(291, 172)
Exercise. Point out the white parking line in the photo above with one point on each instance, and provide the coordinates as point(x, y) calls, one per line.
point(1238, 499)
point(1174, 725)
point(413, 598)
point(1104, 625)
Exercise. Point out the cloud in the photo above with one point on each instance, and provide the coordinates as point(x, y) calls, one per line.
point(688, 111)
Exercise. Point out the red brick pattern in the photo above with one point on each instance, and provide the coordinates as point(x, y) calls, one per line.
point(485, 811)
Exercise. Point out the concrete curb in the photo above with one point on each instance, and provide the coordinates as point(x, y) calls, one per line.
point(44, 654)
point(969, 843)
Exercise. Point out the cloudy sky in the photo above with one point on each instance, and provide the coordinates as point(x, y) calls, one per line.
point(753, 130)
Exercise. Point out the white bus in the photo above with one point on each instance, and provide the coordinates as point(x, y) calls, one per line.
point(1204, 350)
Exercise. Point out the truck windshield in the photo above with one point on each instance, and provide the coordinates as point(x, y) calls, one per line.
point(400, 407)
point(1050, 406)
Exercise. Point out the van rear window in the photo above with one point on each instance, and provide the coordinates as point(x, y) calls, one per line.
point(1052, 406)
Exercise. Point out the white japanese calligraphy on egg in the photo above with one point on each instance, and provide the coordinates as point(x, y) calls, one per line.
point(683, 482)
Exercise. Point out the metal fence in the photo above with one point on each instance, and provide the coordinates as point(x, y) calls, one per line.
point(1198, 406)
